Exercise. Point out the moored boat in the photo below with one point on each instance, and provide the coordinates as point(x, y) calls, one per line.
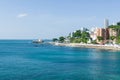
point(38, 41)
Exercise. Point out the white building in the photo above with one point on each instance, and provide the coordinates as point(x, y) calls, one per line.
point(106, 23)
point(93, 33)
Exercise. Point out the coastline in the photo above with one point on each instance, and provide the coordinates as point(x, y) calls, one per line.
point(93, 46)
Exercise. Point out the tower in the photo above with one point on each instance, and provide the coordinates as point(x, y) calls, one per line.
point(106, 23)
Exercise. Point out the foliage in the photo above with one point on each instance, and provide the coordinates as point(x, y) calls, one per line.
point(112, 37)
point(79, 36)
point(72, 39)
point(61, 39)
point(54, 39)
point(116, 28)
point(84, 40)
point(77, 40)
point(118, 23)
point(77, 33)
point(94, 42)
point(100, 38)
point(85, 35)
point(118, 39)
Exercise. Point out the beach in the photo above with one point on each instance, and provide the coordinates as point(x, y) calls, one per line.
point(95, 46)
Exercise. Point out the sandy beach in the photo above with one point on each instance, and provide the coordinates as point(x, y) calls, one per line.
point(95, 46)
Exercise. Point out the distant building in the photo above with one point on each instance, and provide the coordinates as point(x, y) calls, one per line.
point(83, 29)
point(106, 23)
point(103, 33)
point(93, 33)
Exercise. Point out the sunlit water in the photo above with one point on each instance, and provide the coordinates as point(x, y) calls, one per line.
point(22, 60)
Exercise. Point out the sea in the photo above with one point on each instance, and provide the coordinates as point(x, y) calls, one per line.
point(23, 60)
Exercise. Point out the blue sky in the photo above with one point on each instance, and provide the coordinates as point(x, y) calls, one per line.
point(32, 19)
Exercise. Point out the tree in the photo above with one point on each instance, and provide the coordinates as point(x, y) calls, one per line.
point(118, 39)
point(112, 38)
point(116, 28)
point(77, 40)
point(72, 39)
point(118, 23)
point(100, 38)
point(94, 42)
point(77, 33)
point(85, 35)
point(84, 40)
point(61, 39)
point(55, 39)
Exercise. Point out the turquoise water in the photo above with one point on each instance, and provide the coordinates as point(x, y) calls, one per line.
point(22, 60)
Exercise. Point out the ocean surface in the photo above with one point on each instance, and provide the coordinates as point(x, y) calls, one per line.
point(23, 60)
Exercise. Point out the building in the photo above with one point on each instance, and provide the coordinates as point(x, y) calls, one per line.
point(102, 32)
point(93, 33)
point(83, 29)
point(106, 23)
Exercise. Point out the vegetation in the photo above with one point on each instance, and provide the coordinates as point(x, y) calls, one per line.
point(55, 40)
point(118, 23)
point(61, 39)
point(72, 39)
point(117, 29)
point(83, 36)
point(80, 36)
point(76, 40)
point(84, 40)
point(77, 34)
point(118, 40)
point(112, 38)
point(100, 38)
point(94, 42)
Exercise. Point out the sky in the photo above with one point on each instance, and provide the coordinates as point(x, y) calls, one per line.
point(47, 19)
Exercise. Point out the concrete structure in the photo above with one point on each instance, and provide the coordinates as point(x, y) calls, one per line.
point(83, 29)
point(103, 33)
point(106, 23)
point(93, 34)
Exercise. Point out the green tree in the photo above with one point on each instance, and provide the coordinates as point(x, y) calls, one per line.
point(94, 42)
point(54, 39)
point(77, 33)
point(61, 39)
point(118, 40)
point(112, 38)
point(100, 38)
point(72, 39)
point(77, 40)
point(85, 35)
point(118, 23)
point(116, 28)
point(84, 40)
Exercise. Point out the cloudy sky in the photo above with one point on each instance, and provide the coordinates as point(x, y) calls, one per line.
point(32, 19)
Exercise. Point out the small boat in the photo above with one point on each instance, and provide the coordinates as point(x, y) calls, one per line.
point(38, 41)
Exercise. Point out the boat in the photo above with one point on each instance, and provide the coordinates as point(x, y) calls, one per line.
point(38, 41)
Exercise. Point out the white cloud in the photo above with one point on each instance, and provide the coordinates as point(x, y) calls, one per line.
point(22, 15)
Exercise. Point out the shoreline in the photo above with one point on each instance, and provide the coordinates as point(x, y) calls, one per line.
point(92, 46)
